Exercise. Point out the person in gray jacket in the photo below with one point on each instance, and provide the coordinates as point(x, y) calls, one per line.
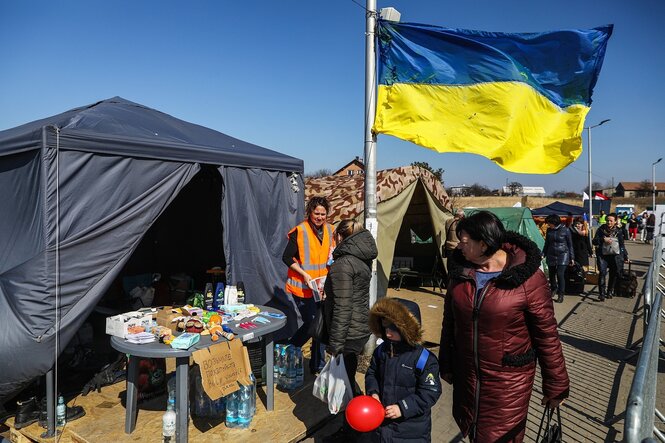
point(346, 306)
point(558, 252)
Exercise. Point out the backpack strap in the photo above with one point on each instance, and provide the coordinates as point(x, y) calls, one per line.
point(422, 361)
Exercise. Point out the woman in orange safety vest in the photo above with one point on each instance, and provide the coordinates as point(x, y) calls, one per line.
point(307, 254)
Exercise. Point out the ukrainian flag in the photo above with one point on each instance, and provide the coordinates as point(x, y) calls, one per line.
point(518, 99)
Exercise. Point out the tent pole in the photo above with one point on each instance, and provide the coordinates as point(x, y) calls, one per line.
point(50, 405)
point(370, 146)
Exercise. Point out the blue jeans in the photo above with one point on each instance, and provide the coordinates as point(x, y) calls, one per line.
point(307, 308)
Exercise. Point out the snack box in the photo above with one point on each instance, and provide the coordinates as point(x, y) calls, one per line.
point(118, 324)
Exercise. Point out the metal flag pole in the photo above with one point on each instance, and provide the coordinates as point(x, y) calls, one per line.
point(371, 222)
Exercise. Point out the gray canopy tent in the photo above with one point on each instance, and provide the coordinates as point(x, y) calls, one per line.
point(79, 191)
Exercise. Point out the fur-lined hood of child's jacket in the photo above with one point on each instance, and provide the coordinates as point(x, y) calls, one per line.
point(404, 314)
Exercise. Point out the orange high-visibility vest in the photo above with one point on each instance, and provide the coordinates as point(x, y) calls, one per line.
point(313, 257)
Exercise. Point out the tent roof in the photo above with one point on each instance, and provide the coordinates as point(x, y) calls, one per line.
point(346, 193)
point(119, 127)
point(558, 208)
point(516, 219)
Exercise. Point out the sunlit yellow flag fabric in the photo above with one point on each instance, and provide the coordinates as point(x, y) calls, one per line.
point(518, 99)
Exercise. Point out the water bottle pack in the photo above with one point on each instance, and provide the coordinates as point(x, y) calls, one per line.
point(288, 367)
point(241, 405)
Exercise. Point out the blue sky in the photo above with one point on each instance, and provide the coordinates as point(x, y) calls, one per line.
point(289, 75)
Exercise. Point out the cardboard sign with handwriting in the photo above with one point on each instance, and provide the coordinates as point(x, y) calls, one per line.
point(222, 367)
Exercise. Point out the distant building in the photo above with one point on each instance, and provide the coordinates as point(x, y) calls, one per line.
point(531, 191)
point(608, 192)
point(637, 189)
point(459, 191)
point(354, 167)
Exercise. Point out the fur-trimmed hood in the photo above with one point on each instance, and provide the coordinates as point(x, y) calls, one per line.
point(404, 314)
point(524, 258)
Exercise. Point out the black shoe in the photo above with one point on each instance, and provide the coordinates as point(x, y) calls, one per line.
point(73, 412)
point(559, 299)
point(601, 298)
point(26, 413)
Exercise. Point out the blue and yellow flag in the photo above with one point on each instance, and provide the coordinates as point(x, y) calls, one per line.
point(518, 99)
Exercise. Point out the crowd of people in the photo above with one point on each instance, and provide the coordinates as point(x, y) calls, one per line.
point(566, 246)
point(498, 325)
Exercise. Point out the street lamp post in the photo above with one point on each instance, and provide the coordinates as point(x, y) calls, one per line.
point(653, 182)
point(588, 133)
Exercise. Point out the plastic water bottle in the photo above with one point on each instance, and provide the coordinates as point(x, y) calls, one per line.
point(232, 410)
point(290, 368)
point(245, 406)
point(253, 393)
point(300, 373)
point(276, 363)
point(170, 387)
point(168, 421)
point(282, 365)
point(61, 412)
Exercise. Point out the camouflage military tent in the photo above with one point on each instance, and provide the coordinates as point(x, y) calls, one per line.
point(412, 208)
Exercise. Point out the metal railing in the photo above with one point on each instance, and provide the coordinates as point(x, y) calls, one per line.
point(641, 411)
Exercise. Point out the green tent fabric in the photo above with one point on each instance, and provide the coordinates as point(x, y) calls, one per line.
point(519, 220)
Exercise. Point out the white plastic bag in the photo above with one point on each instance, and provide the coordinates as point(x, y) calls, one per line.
point(320, 390)
point(339, 387)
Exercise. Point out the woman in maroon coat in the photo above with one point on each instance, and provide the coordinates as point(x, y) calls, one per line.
point(498, 320)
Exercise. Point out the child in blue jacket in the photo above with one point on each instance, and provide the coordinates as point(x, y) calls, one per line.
point(402, 375)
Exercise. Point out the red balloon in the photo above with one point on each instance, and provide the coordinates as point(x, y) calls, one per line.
point(365, 413)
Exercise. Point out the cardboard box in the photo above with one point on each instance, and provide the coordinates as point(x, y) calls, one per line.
point(165, 316)
point(118, 324)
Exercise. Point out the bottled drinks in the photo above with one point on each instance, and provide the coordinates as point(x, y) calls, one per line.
point(290, 372)
point(282, 365)
point(168, 421)
point(170, 387)
point(232, 410)
point(61, 412)
point(300, 374)
point(253, 395)
point(276, 362)
point(245, 414)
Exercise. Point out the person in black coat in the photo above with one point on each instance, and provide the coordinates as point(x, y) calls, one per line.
point(610, 255)
point(558, 252)
point(393, 377)
point(581, 244)
point(346, 304)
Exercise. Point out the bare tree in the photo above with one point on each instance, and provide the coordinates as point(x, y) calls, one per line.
point(596, 186)
point(515, 188)
point(318, 173)
point(478, 190)
point(438, 173)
